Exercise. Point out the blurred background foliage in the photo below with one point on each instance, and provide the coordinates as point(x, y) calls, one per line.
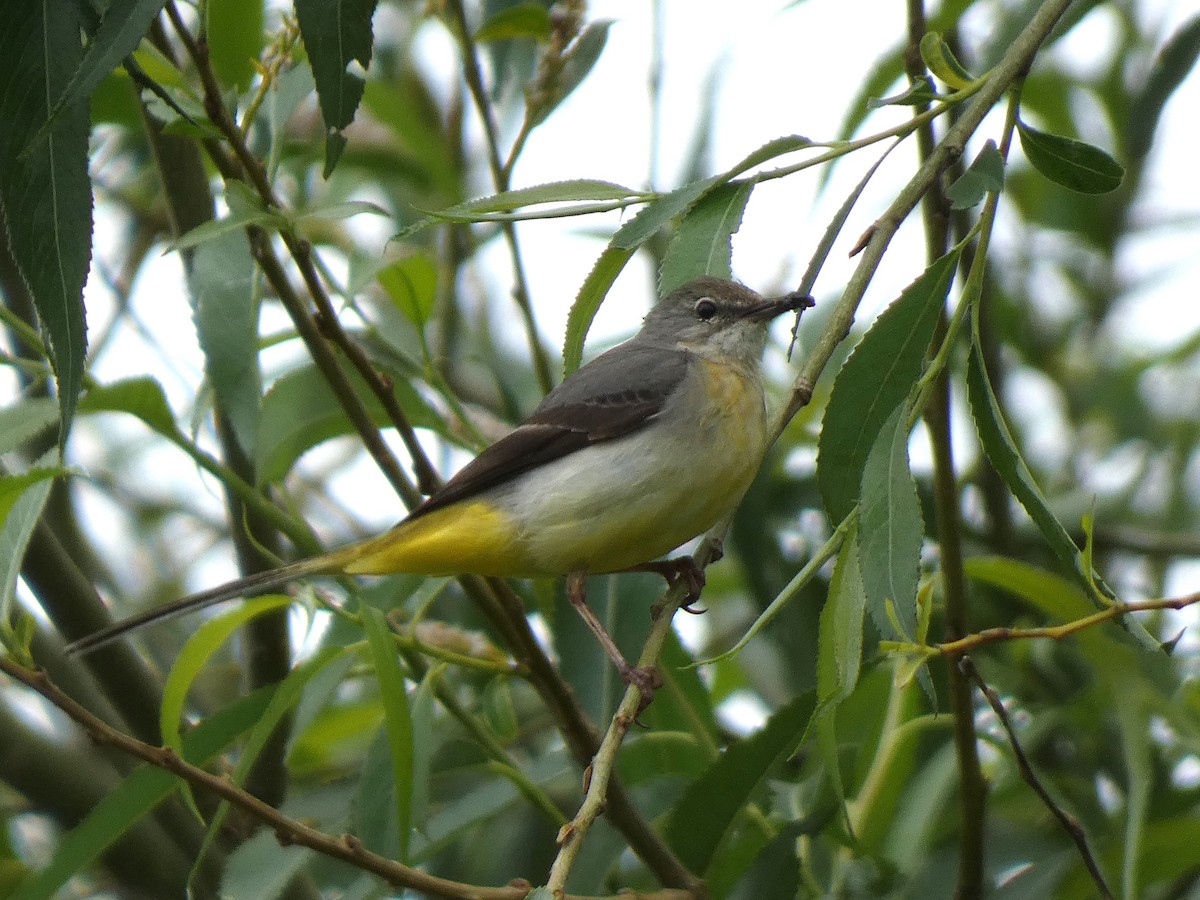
point(184, 463)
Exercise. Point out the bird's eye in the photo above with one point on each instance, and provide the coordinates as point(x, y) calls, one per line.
point(705, 309)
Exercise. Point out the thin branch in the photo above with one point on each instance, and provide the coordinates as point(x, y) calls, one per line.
point(1069, 823)
point(500, 177)
point(346, 848)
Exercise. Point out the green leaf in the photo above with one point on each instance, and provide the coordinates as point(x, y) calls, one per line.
point(619, 251)
point(876, 379)
point(587, 302)
point(234, 29)
point(25, 420)
point(890, 528)
point(710, 805)
point(19, 523)
point(1002, 451)
point(940, 60)
point(411, 283)
point(300, 411)
point(225, 312)
point(919, 93)
point(773, 148)
point(397, 717)
point(123, 24)
point(702, 245)
point(336, 34)
point(330, 212)
point(245, 208)
point(984, 175)
point(200, 647)
point(1071, 163)
point(47, 195)
point(1174, 63)
point(580, 57)
point(578, 190)
point(13, 487)
point(528, 19)
point(839, 650)
point(261, 869)
point(120, 809)
point(140, 397)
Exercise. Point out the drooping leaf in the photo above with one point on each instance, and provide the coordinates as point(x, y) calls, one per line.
point(709, 806)
point(983, 176)
point(702, 244)
point(1174, 63)
point(529, 19)
point(339, 38)
point(200, 647)
point(123, 24)
point(1071, 163)
point(46, 194)
point(300, 411)
point(225, 312)
point(940, 60)
point(890, 529)
point(619, 251)
point(397, 718)
point(875, 379)
point(235, 39)
point(411, 283)
point(140, 397)
point(839, 651)
point(581, 56)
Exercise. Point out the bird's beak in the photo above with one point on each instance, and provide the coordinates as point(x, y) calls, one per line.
point(769, 309)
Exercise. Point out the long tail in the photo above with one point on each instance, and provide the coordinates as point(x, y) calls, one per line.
point(231, 590)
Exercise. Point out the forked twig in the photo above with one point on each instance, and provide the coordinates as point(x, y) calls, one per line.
point(1069, 823)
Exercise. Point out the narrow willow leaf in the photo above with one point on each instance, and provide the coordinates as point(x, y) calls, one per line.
point(1170, 69)
point(397, 717)
point(339, 38)
point(411, 283)
point(122, 26)
point(25, 420)
point(225, 312)
point(47, 194)
point(771, 149)
point(1071, 163)
point(200, 647)
point(619, 251)
point(1002, 451)
point(140, 397)
point(301, 411)
point(13, 487)
point(985, 175)
point(577, 190)
point(710, 805)
point(940, 60)
point(876, 379)
point(587, 302)
point(581, 56)
point(919, 93)
point(703, 242)
point(839, 650)
point(890, 529)
point(245, 208)
point(235, 33)
point(21, 519)
point(520, 20)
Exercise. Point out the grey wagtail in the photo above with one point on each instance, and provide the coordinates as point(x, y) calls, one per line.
point(635, 453)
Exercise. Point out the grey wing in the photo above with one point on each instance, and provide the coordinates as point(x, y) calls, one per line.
point(615, 394)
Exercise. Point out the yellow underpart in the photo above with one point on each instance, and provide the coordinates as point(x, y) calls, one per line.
point(473, 537)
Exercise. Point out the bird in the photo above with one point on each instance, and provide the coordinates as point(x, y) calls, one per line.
point(632, 455)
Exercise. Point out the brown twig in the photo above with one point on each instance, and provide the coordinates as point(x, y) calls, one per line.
point(1069, 823)
point(346, 848)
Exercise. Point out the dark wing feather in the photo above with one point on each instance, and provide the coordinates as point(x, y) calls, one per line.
point(614, 395)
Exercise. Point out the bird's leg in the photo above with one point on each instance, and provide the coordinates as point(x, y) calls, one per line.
point(682, 569)
point(647, 680)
